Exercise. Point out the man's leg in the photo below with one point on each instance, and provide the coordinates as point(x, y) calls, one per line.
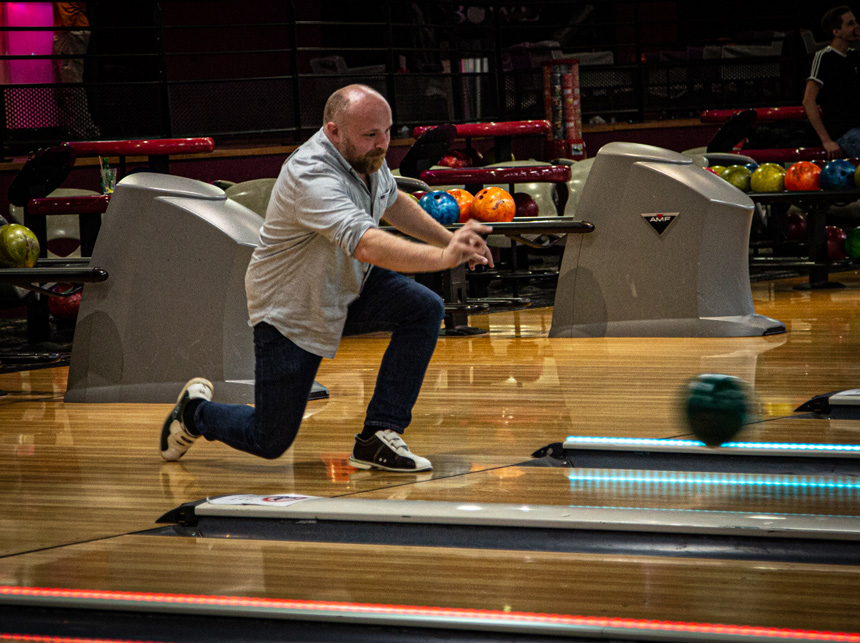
point(413, 314)
point(284, 377)
point(850, 143)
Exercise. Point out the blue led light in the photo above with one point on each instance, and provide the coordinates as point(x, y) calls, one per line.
point(685, 510)
point(769, 446)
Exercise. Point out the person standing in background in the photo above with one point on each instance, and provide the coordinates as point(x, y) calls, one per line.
point(834, 86)
point(71, 39)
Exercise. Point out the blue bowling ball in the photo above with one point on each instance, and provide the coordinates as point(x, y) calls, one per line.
point(444, 208)
point(837, 175)
point(752, 167)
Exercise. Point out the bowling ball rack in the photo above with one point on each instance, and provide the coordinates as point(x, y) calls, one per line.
point(815, 261)
point(43, 172)
point(739, 124)
point(431, 143)
point(454, 281)
point(502, 133)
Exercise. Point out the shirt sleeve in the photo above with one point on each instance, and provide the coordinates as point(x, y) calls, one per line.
point(819, 70)
point(323, 205)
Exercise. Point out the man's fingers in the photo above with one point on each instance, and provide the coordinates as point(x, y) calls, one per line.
point(479, 227)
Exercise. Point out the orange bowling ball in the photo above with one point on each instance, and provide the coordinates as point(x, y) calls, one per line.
point(802, 176)
point(464, 200)
point(493, 205)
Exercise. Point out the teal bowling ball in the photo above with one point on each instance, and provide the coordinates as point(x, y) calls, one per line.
point(838, 174)
point(716, 407)
point(441, 206)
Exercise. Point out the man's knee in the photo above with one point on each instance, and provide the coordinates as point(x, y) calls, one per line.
point(434, 307)
point(274, 449)
point(850, 142)
point(274, 436)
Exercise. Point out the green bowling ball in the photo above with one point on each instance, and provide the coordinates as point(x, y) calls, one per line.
point(768, 177)
point(19, 247)
point(716, 407)
point(852, 244)
point(738, 175)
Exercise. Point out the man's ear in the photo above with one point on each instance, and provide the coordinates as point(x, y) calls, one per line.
point(333, 131)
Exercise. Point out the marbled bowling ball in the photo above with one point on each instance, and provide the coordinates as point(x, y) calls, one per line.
point(768, 178)
point(19, 247)
point(441, 206)
point(803, 176)
point(493, 205)
point(738, 175)
point(464, 200)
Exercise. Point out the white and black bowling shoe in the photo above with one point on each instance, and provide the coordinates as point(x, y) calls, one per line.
point(176, 439)
point(386, 450)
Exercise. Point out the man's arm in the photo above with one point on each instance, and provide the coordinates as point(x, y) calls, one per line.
point(446, 249)
point(810, 106)
point(411, 219)
point(386, 250)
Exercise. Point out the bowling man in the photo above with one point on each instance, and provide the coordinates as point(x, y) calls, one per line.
point(324, 270)
point(834, 86)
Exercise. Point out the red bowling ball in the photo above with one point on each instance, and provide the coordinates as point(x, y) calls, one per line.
point(66, 307)
point(836, 243)
point(795, 224)
point(526, 205)
point(456, 159)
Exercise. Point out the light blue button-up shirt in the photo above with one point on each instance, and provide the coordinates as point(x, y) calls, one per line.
point(303, 275)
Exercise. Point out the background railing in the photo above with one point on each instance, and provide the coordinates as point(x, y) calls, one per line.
point(226, 68)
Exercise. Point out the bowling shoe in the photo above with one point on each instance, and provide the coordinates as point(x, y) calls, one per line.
point(176, 439)
point(386, 450)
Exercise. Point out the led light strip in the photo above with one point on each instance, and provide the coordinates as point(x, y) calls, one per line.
point(716, 479)
point(473, 619)
point(768, 446)
point(38, 638)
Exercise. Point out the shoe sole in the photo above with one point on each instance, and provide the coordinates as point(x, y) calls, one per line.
point(190, 383)
point(165, 429)
point(360, 464)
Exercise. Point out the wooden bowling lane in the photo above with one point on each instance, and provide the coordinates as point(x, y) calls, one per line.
point(783, 595)
point(77, 472)
point(80, 480)
point(71, 473)
point(693, 491)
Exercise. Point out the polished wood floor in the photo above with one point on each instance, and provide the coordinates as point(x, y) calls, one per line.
point(80, 483)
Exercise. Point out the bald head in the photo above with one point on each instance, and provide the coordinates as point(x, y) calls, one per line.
point(358, 123)
point(350, 99)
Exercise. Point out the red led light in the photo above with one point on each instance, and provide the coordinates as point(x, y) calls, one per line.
point(35, 638)
point(416, 610)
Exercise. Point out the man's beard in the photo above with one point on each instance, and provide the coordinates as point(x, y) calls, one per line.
point(367, 164)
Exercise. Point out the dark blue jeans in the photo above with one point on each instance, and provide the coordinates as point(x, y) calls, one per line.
point(850, 142)
point(285, 373)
